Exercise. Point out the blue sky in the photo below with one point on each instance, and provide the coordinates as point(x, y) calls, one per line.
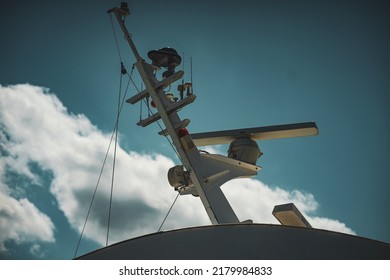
point(255, 63)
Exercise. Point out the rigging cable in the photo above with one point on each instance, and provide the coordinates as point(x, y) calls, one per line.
point(115, 132)
point(116, 39)
point(169, 211)
point(123, 71)
point(192, 83)
point(101, 170)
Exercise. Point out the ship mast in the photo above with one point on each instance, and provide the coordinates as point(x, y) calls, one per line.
point(201, 174)
point(214, 201)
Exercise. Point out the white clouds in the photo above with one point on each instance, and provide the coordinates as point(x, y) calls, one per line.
point(41, 130)
point(259, 200)
point(22, 222)
point(36, 127)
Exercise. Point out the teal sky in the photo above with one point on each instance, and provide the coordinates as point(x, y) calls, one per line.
point(255, 63)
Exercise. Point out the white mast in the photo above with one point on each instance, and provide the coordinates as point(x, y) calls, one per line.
point(202, 174)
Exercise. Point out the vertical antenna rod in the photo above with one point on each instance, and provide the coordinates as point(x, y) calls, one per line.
point(192, 84)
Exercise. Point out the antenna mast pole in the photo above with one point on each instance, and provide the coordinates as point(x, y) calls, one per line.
point(205, 177)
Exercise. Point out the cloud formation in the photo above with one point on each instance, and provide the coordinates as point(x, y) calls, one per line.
point(35, 127)
point(21, 221)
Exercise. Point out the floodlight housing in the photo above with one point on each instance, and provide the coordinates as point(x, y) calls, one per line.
point(289, 215)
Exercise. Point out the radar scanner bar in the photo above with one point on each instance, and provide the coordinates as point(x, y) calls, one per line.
point(256, 133)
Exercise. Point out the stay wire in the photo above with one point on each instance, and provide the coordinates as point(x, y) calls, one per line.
point(101, 171)
point(169, 211)
point(115, 132)
point(123, 71)
point(116, 39)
